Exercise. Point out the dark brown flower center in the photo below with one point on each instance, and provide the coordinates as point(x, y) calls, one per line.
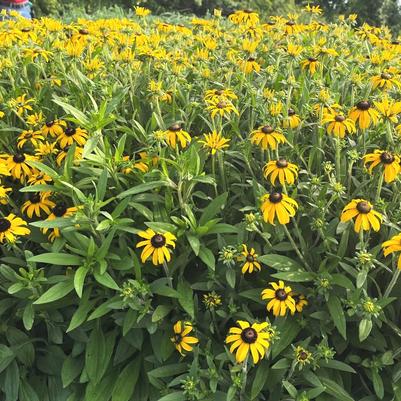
point(249, 335)
point(290, 23)
point(84, 32)
point(60, 209)
point(158, 241)
point(281, 295)
point(303, 355)
point(281, 163)
point(250, 258)
point(363, 105)
point(219, 92)
point(312, 59)
point(386, 158)
point(267, 129)
point(221, 105)
point(395, 42)
point(19, 158)
point(291, 112)
point(339, 118)
point(25, 30)
point(248, 11)
point(251, 59)
point(363, 207)
point(175, 128)
point(4, 225)
point(275, 197)
point(70, 131)
point(34, 197)
point(177, 338)
point(49, 123)
point(385, 76)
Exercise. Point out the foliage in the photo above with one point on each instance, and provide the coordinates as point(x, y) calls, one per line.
point(102, 141)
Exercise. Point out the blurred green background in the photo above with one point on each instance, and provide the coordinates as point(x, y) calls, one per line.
point(375, 12)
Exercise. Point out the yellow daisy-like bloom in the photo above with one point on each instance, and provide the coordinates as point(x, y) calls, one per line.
point(280, 205)
point(54, 128)
point(385, 81)
point(39, 178)
point(292, 121)
point(310, 64)
point(280, 298)
point(175, 134)
point(391, 246)
point(247, 17)
point(247, 339)
point(338, 124)
point(302, 355)
point(251, 260)
point(388, 109)
point(18, 167)
point(364, 114)
point(249, 65)
point(221, 107)
point(78, 152)
point(300, 302)
point(12, 227)
point(60, 210)
point(45, 149)
point(156, 245)
point(389, 161)
point(366, 217)
point(214, 142)
point(71, 135)
point(3, 194)
point(282, 170)
point(34, 137)
point(212, 300)
point(142, 11)
point(36, 203)
point(219, 94)
point(181, 339)
point(20, 104)
point(267, 137)
point(34, 119)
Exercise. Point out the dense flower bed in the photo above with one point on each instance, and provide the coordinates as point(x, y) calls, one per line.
point(205, 210)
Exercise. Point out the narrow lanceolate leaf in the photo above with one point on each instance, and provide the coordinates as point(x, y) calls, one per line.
point(95, 349)
point(79, 279)
point(58, 291)
point(142, 188)
point(337, 313)
point(126, 382)
point(335, 390)
point(61, 259)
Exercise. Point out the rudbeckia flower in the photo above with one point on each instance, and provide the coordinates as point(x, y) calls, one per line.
point(156, 246)
point(71, 135)
point(214, 142)
point(175, 134)
point(54, 128)
point(364, 114)
point(283, 170)
point(391, 246)
point(247, 339)
point(248, 17)
point(249, 65)
point(300, 302)
point(310, 64)
point(36, 203)
point(292, 120)
point(78, 152)
point(280, 205)
point(385, 81)
point(12, 227)
point(18, 167)
point(267, 137)
point(221, 107)
point(250, 259)
point(4, 194)
point(60, 210)
point(280, 298)
point(338, 124)
point(181, 339)
point(33, 137)
point(388, 109)
point(366, 217)
point(390, 163)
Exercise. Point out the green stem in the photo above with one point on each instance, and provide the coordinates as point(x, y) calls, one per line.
point(296, 249)
point(379, 187)
point(214, 174)
point(222, 171)
point(167, 273)
point(392, 283)
point(389, 133)
point(338, 159)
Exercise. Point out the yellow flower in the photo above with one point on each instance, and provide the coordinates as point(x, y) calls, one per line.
point(20, 104)
point(250, 259)
point(337, 124)
point(388, 109)
point(294, 50)
point(292, 121)
point(54, 128)
point(221, 107)
point(45, 149)
point(280, 298)
point(310, 64)
point(17, 165)
point(3, 194)
point(212, 300)
point(34, 137)
point(313, 9)
point(71, 135)
point(281, 169)
point(247, 339)
point(393, 245)
point(300, 302)
point(60, 210)
point(181, 339)
point(267, 137)
point(12, 227)
point(36, 203)
point(156, 245)
point(214, 142)
point(280, 205)
point(62, 154)
point(39, 178)
point(175, 134)
point(35, 119)
point(142, 11)
point(390, 163)
point(219, 94)
point(364, 114)
point(249, 65)
point(247, 17)
point(366, 217)
point(303, 356)
point(385, 81)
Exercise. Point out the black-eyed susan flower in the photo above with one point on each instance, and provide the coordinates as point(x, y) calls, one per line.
point(62, 154)
point(60, 210)
point(249, 65)
point(181, 340)
point(267, 137)
point(277, 204)
point(388, 109)
point(310, 64)
point(4, 194)
point(142, 11)
point(214, 142)
point(248, 339)
point(337, 124)
point(219, 94)
point(292, 120)
point(54, 128)
point(280, 298)
point(17, 165)
point(364, 114)
point(221, 107)
point(366, 217)
point(282, 170)
point(30, 136)
point(175, 134)
point(37, 203)
point(248, 17)
point(389, 162)
point(39, 178)
point(45, 149)
point(300, 302)
point(302, 355)
point(212, 300)
point(20, 104)
point(391, 246)
point(12, 227)
point(156, 246)
point(35, 119)
point(72, 135)
point(250, 259)
point(385, 81)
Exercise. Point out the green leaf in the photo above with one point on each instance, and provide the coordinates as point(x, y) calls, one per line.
point(126, 382)
point(11, 382)
point(60, 259)
point(214, 207)
point(335, 390)
point(365, 327)
point(259, 381)
point(28, 316)
point(338, 365)
point(6, 356)
point(159, 287)
point(71, 369)
point(337, 313)
point(186, 298)
point(207, 257)
point(295, 276)
point(292, 391)
point(79, 279)
point(160, 312)
point(94, 354)
point(176, 396)
point(56, 292)
point(168, 370)
point(291, 329)
point(194, 242)
point(377, 383)
point(71, 110)
point(81, 313)
point(142, 188)
point(280, 262)
point(106, 280)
